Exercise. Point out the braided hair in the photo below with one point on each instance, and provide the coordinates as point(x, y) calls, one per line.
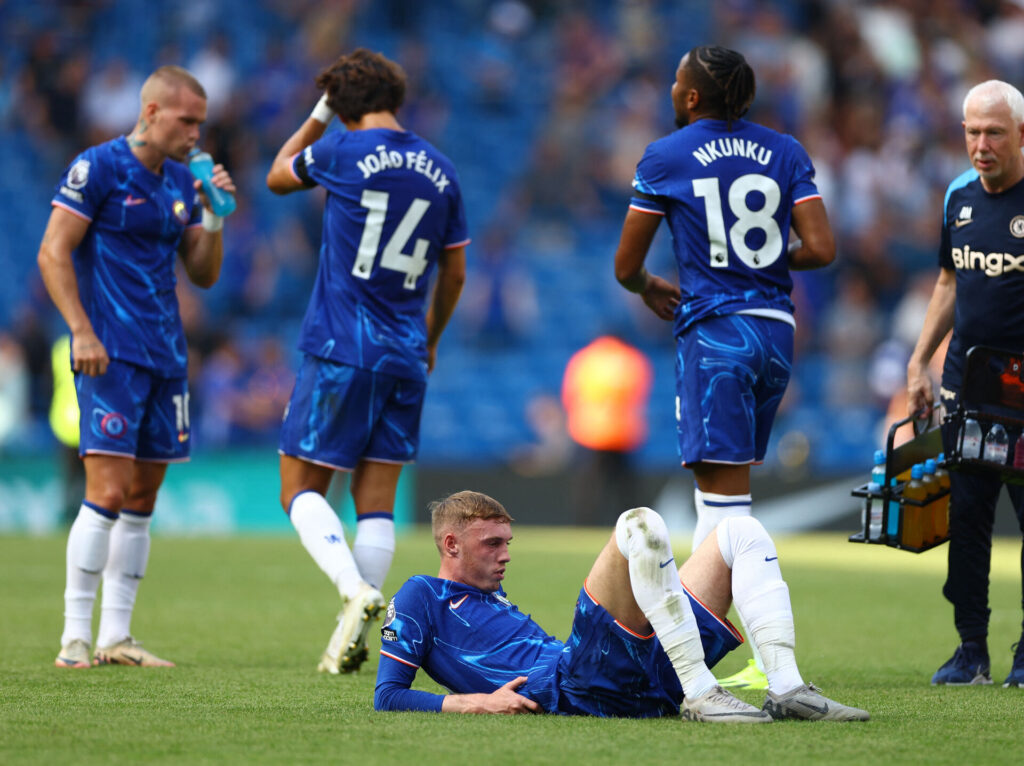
point(724, 80)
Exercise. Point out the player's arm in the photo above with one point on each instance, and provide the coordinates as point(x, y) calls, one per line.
point(505, 700)
point(817, 245)
point(64, 232)
point(451, 275)
point(638, 231)
point(938, 321)
point(282, 178)
point(202, 247)
point(392, 693)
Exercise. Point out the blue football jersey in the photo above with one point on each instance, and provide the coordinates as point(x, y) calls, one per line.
point(728, 196)
point(983, 242)
point(486, 642)
point(125, 263)
point(393, 204)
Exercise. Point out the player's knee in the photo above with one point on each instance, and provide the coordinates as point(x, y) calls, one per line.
point(640, 526)
point(738, 534)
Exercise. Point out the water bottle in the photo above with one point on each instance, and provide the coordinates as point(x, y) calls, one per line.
point(913, 531)
point(942, 513)
point(872, 511)
point(201, 164)
point(878, 469)
point(893, 527)
point(997, 445)
point(929, 522)
point(971, 449)
point(1018, 452)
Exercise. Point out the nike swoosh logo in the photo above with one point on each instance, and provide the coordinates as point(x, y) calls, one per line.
point(453, 604)
point(665, 564)
point(822, 709)
point(130, 200)
point(770, 558)
point(136, 660)
point(959, 224)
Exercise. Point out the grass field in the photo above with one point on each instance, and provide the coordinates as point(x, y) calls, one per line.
point(246, 619)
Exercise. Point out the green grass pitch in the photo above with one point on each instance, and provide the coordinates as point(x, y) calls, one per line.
point(246, 620)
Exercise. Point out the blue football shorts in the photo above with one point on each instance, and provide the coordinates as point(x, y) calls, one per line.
point(339, 415)
point(608, 670)
point(129, 412)
point(731, 373)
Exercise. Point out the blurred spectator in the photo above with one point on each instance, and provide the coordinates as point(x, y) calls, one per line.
point(14, 385)
point(111, 101)
point(605, 393)
point(501, 309)
point(213, 67)
point(552, 448)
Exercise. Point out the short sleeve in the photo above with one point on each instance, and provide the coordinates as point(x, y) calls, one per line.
point(457, 233)
point(83, 186)
point(804, 188)
point(649, 183)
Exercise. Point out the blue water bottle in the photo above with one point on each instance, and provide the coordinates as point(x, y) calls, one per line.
point(201, 165)
point(878, 469)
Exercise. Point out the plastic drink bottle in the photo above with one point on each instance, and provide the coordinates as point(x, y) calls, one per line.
point(879, 468)
point(997, 445)
point(928, 522)
point(971, 445)
point(942, 513)
point(201, 164)
point(872, 512)
point(893, 525)
point(915, 489)
point(1018, 452)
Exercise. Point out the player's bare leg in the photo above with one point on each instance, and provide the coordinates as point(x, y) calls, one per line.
point(374, 485)
point(723, 491)
point(636, 580)
point(126, 566)
point(107, 481)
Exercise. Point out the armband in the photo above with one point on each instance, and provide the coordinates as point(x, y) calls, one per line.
point(321, 112)
point(212, 223)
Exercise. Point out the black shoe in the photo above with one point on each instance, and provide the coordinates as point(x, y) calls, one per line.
point(968, 666)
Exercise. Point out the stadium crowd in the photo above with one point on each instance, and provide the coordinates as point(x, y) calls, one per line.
point(545, 108)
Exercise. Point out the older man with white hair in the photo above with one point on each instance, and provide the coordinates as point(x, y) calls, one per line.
point(980, 296)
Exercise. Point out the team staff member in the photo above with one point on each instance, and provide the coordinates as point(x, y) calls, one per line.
point(980, 296)
point(123, 212)
point(393, 214)
point(730, 190)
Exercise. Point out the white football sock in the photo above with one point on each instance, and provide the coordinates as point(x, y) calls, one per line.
point(88, 545)
point(374, 546)
point(712, 508)
point(321, 534)
point(762, 598)
point(126, 566)
point(643, 539)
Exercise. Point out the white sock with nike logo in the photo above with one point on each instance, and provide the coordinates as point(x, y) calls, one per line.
point(761, 597)
point(322, 535)
point(712, 509)
point(643, 539)
point(126, 566)
point(88, 547)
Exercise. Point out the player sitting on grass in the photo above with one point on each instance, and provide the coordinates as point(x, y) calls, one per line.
point(642, 643)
